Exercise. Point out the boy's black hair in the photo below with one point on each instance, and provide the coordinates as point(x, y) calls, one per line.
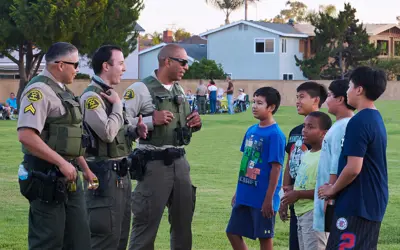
point(339, 89)
point(325, 121)
point(314, 90)
point(373, 81)
point(102, 55)
point(271, 95)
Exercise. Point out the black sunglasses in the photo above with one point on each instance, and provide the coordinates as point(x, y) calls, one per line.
point(182, 62)
point(76, 64)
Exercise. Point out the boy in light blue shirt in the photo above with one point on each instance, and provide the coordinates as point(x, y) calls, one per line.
point(330, 152)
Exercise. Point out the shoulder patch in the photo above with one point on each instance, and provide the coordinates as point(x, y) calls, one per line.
point(34, 95)
point(92, 103)
point(129, 94)
point(30, 108)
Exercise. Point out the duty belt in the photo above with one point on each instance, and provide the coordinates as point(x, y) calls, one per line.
point(167, 155)
point(119, 166)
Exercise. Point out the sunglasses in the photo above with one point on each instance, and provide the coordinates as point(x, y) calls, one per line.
point(76, 64)
point(182, 62)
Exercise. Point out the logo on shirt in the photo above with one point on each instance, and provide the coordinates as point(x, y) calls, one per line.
point(34, 95)
point(341, 223)
point(296, 152)
point(251, 157)
point(129, 94)
point(92, 103)
point(30, 108)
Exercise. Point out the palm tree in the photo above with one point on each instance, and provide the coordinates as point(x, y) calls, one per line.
point(231, 5)
point(227, 6)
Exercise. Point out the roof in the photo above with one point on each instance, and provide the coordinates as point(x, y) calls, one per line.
point(138, 28)
point(195, 51)
point(281, 29)
point(371, 28)
point(194, 40)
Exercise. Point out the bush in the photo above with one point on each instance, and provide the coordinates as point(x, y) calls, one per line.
point(205, 69)
point(82, 76)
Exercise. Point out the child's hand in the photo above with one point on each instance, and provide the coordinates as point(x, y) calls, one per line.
point(233, 200)
point(283, 212)
point(267, 210)
point(290, 197)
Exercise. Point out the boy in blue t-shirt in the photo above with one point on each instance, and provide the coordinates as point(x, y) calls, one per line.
point(260, 177)
point(361, 189)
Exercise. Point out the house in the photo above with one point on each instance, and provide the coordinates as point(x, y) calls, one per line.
point(9, 69)
point(387, 36)
point(256, 50)
point(131, 62)
point(148, 61)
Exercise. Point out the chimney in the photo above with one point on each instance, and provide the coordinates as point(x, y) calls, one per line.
point(398, 19)
point(167, 36)
point(291, 22)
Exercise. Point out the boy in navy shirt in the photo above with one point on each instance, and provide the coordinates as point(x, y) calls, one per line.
point(260, 177)
point(361, 189)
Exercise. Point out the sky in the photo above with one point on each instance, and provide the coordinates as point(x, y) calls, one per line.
point(196, 16)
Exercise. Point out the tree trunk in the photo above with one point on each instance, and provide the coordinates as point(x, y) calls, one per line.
point(245, 9)
point(227, 19)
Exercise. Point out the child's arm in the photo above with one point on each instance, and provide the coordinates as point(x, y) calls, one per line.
point(267, 208)
point(287, 185)
point(293, 196)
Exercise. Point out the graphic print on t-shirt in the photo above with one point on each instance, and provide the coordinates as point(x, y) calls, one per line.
point(296, 151)
point(251, 157)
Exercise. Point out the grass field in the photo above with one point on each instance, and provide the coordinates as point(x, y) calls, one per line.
point(214, 156)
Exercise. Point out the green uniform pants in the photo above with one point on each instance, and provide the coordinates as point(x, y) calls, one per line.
point(201, 104)
point(109, 213)
point(163, 186)
point(59, 226)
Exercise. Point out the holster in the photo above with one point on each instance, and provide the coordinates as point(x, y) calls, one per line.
point(45, 182)
point(137, 168)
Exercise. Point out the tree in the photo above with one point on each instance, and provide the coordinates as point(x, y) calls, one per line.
point(30, 27)
point(341, 44)
point(181, 34)
point(227, 6)
point(327, 9)
point(156, 38)
point(205, 69)
point(296, 12)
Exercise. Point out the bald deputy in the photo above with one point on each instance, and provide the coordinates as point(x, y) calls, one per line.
point(49, 128)
point(166, 182)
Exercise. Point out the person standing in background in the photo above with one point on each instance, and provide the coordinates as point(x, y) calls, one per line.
point(201, 98)
point(212, 91)
point(229, 95)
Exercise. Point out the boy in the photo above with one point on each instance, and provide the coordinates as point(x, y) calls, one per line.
point(361, 189)
point(310, 97)
point(257, 195)
point(331, 148)
point(316, 124)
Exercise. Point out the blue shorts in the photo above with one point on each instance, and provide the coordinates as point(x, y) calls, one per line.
point(249, 222)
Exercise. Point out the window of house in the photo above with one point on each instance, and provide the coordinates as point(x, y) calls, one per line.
point(396, 48)
point(265, 45)
point(383, 46)
point(283, 45)
point(287, 77)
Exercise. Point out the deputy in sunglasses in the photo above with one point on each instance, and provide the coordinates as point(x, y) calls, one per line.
point(50, 130)
point(164, 178)
point(109, 206)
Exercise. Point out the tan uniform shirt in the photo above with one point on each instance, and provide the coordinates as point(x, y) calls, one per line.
point(201, 90)
point(137, 99)
point(105, 126)
point(39, 101)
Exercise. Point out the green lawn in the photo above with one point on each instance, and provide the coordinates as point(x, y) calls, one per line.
point(214, 156)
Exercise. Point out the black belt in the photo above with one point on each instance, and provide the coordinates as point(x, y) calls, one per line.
point(114, 165)
point(166, 155)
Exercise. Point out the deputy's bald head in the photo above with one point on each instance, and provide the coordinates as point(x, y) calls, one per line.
point(171, 50)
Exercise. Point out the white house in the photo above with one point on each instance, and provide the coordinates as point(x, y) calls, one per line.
point(148, 61)
point(256, 50)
